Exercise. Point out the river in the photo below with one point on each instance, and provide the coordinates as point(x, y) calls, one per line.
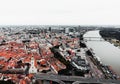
point(108, 53)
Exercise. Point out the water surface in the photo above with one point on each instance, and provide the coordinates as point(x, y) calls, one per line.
point(108, 53)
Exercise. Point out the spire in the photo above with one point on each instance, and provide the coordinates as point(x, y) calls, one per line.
point(33, 68)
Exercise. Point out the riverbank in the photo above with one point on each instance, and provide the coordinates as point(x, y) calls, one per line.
point(111, 35)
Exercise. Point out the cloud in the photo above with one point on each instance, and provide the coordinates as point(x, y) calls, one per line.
point(59, 12)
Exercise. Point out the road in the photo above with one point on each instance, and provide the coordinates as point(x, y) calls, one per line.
point(61, 78)
point(96, 73)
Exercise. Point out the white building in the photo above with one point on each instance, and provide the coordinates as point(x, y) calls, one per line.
point(66, 30)
point(32, 69)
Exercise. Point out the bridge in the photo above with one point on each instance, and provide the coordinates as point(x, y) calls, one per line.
point(94, 39)
point(75, 79)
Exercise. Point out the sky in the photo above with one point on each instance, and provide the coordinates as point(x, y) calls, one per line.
point(59, 12)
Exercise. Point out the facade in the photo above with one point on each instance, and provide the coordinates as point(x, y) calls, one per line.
point(32, 69)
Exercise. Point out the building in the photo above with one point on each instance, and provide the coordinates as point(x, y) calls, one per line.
point(33, 68)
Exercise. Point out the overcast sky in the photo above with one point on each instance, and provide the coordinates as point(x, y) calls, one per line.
point(60, 12)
